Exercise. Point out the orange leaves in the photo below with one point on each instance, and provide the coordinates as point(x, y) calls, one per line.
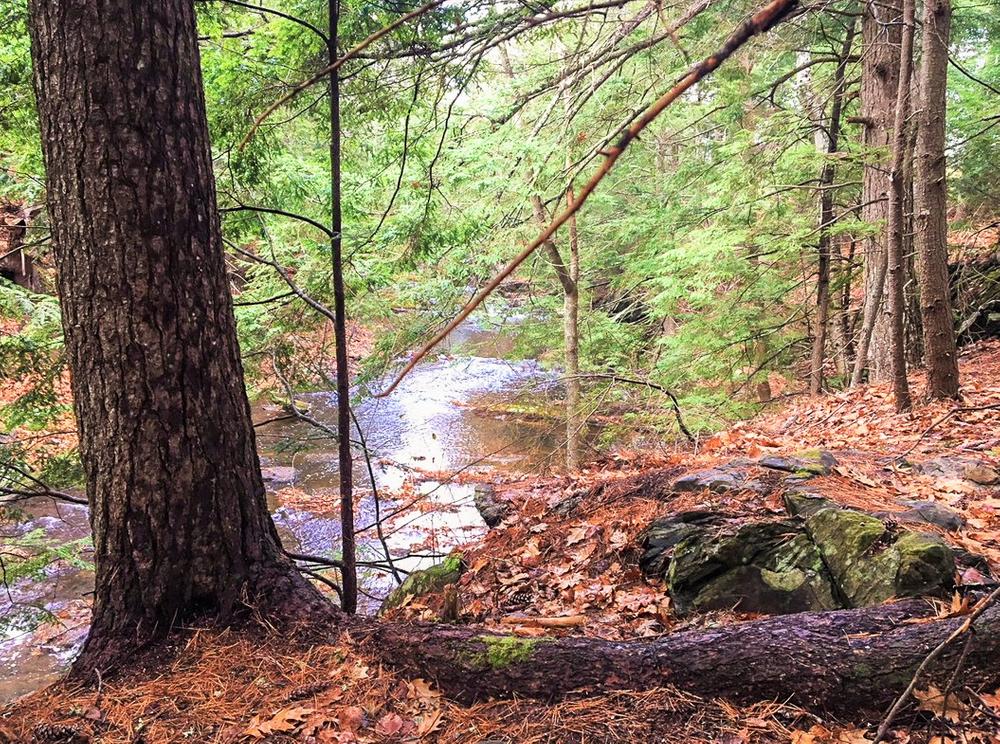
point(933, 701)
point(821, 735)
point(285, 721)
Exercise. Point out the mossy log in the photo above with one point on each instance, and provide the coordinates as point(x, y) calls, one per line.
point(839, 662)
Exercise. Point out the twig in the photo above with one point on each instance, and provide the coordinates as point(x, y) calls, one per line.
point(981, 607)
point(763, 20)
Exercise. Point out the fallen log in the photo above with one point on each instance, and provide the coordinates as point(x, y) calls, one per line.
point(840, 662)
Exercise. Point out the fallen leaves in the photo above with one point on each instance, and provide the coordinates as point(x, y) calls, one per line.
point(284, 721)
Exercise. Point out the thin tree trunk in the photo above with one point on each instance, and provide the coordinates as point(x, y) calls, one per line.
point(571, 343)
point(180, 523)
point(931, 204)
point(349, 571)
point(897, 300)
point(880, 70)
point(826, 215)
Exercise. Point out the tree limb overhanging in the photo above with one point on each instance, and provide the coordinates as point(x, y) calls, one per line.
point(762, 21)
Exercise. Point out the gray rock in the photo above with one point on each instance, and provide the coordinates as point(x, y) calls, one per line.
point(929, 512)
point(806, 463)
point(492, 509)
point(715, 479)
point(824, 558)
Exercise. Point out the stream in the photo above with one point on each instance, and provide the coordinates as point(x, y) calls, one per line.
point(427, 444)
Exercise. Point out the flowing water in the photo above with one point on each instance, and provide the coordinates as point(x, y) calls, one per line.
point(427, 440)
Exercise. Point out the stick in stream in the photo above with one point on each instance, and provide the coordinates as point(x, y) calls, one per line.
point(760, 22)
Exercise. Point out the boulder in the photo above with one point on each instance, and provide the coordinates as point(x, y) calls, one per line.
point(822, 557)
point(492, 509)
point(768, 567)
point(425, 581)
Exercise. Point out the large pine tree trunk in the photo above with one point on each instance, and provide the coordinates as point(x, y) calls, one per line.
point(931, 204)
point(177, 503)
point(881, 34)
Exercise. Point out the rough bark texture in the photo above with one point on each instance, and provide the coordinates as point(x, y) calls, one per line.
point(178, 513)
point(840, 662)
point(881, 34)
point(931, 204)
point(896, 258)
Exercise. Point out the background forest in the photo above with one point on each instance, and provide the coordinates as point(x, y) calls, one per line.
point(793, 241)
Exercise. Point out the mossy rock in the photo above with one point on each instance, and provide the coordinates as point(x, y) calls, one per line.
point(768, 567)
point(870, 565)
point(926, 565)
point(426, 581)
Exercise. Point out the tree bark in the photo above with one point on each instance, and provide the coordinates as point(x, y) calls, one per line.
point(348, 548)
point(826, 215)
point(896, 259)
point(180, 523)
point(841, 662)
point(881, 34)
point(931, 204)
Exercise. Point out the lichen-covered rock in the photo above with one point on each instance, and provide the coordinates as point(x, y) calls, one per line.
point(827, 558)
point(425, 581)
point(803, 503)
point(805, 463)
point(869, 564)
point(768, 567)
point(663, 535)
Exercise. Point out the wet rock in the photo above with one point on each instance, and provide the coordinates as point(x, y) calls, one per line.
point(425, 581)
point(492, 509)
point(806, 463)
point(929, 512)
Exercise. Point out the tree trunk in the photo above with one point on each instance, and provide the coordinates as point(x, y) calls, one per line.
point(571, 344)
point(931, 204)
point(348, 549)
point(841, 662)
point(880, 73)
point(896, 260)
point(180, 523)
point(569, 281)
point(826, 216)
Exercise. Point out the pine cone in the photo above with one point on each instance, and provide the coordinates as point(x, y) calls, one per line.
point(55, 733)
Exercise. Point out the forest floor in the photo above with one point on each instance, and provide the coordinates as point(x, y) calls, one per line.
point(564, 562)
